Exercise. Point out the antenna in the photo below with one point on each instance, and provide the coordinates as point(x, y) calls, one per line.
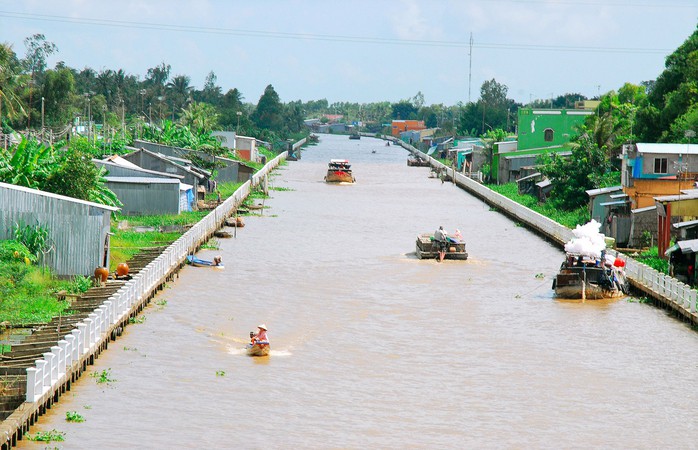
point(470, 68)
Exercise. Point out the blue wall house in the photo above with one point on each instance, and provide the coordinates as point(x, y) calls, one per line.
point(78, 230)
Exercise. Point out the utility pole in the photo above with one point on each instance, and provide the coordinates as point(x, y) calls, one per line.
point(470, 66)
point(42, 119)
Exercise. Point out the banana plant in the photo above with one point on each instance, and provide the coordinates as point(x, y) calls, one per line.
point(28, 164)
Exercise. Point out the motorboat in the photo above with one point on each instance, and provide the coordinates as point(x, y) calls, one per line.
point(427, 247)
point(198, 262)
point(339, 171)
point(258, 348)
point(589, 271)
point(590, 278)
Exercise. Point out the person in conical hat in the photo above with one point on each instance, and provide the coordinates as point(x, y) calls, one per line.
point(261, 335)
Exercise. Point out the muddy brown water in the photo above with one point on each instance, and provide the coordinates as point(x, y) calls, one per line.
point(373, 348)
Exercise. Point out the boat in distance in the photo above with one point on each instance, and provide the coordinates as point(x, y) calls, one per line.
point(198, 262)
point(339, 171)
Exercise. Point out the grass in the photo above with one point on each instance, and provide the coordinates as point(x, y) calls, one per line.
point(570, 219)
point(650, 257)
point(28, 293)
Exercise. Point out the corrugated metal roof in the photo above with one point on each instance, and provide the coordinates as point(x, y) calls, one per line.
point(606, 190)
point(618, 202)
point(674, 149)
point(528, 177)
point(645, 209)
point(675, 198)
point(686, 224)
point(142, 180)
point(61, 197)
point(116, 159)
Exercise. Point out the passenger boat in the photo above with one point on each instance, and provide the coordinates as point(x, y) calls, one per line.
point(355, 136)
point(197, 262)
point(339, 171)
point(427, 249)
point(590, 278)
point(258, 348)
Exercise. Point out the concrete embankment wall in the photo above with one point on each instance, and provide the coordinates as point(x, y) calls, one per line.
point(663, 289)
point(56, 371)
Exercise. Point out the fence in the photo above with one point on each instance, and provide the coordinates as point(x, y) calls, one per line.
point(95, 330)
point(677, 295)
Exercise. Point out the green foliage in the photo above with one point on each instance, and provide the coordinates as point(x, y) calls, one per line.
point(15, 251)
point(220, 373)
point(78, 177)
point(673, 97)
point(34, 238)
point(73, 416)
point(79, 284)
point(27, 164)
point(651, 258)
point(47, 436)
point(268, 115)
point(572, 176)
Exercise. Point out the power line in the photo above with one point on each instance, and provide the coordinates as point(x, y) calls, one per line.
point(324, 37)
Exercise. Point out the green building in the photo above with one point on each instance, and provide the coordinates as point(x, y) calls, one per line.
point(548, 127)
point(540, 131)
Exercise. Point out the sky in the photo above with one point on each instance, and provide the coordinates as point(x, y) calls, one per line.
point(366, 50)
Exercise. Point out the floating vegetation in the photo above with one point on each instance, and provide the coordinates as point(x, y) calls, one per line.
point(139, 319)
point(47, 436)
point(73, 416)
point(220, 373)
point(103, 377)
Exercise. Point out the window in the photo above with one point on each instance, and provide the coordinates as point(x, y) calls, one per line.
point(549, 134)
point(660, 165)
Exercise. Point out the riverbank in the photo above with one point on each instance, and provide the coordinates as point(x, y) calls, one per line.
point(51, 376)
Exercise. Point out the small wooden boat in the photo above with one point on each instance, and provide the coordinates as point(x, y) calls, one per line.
point(197, 262)
point(222, 234)
point(339, 171)
point(427, 248)
point(234, 222)
point(258, 348)
point(417, 162)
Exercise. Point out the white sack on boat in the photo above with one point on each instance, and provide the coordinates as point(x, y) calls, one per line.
point(587, 240)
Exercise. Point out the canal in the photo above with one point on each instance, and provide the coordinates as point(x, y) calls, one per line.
point(373, 348)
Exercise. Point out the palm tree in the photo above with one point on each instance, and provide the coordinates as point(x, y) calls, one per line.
point(179, 90)
point(11, 80)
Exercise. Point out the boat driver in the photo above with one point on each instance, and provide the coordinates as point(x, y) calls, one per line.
point(261, 335)
point(441, 242)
